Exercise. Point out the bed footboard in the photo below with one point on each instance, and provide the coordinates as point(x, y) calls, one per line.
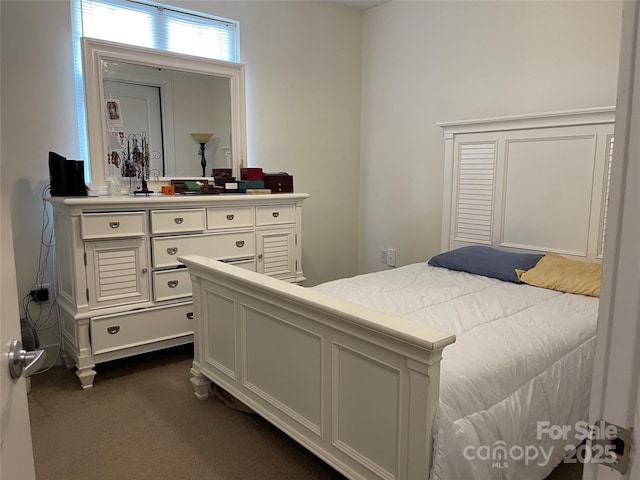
point(357, 387)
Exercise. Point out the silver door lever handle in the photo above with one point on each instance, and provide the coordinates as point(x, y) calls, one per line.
point(22, 362)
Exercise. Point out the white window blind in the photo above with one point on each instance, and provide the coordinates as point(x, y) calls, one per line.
point(151, 25)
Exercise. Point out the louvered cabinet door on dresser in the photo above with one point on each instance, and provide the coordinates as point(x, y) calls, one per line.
point(120, 287)
point(117, 270)
point(276, 240)
point(276, 252)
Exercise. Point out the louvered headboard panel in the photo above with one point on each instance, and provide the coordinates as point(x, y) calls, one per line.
point(476, 180)
point(529, 183)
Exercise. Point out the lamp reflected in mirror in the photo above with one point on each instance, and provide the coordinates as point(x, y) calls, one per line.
point(202, 139)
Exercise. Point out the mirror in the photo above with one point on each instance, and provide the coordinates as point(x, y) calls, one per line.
point(148, 111)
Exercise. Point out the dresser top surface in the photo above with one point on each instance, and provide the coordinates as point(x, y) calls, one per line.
point(160, 200)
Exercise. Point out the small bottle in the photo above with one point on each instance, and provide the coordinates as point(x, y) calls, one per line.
point(114, 186)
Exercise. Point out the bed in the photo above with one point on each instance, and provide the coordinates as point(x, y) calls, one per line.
point(424, 371)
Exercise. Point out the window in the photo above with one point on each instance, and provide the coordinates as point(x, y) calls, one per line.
point(151, 25)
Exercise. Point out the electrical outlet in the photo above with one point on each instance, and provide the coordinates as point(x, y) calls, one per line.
point(391, 257)
point(40, 294)
point(383, 256)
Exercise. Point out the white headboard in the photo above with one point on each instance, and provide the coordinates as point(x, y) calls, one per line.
point(531, 182)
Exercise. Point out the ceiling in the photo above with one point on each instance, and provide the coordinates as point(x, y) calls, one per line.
point(361, 4)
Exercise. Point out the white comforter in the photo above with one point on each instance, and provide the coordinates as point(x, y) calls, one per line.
point(522, 355)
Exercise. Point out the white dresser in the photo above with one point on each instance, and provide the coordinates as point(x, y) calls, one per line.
point(121, 289)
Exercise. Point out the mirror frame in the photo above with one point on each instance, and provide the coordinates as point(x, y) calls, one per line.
point(95, 52)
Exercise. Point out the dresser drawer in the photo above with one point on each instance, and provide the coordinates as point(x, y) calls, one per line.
point(171, 284)
point(115, 332)
point(246, 263)
point(275, 214)
point(220, 217)
point(178, 221)
point(113, 225)
point(176, 283)
point(166, 250)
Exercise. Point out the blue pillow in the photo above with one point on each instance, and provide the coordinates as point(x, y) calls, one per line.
point(487, 261)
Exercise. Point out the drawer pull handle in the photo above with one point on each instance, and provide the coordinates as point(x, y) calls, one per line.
point(230, 217)
point(260, 257)
point(178, 220)
point(240, 243)
point(172, 283)
point(144, 270)
point(113, 330)
point(190, 315)
point(275, 214)
point(114, 224)
point(172, 250)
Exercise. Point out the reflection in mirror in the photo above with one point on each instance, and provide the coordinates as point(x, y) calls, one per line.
point(143, 106)
point(165, 106)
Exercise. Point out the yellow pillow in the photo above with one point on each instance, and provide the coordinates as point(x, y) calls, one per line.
point(556, 272)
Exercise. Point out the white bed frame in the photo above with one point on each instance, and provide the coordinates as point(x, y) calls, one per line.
point(360, 388)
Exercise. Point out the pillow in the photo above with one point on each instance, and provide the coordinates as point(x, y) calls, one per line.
point(487, 261)
point(556, 272)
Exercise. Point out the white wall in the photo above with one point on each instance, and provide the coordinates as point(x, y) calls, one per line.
point(432, 61)
point(38, 115)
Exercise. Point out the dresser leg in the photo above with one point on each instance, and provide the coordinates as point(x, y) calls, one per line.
point(86, 376)
point(200, 384)
point(84, 368)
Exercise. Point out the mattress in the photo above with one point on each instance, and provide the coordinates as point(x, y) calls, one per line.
point(522, 362)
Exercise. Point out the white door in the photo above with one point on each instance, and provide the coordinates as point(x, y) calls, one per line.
point(615, 397)
point(140, 112)
point(16, 453)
